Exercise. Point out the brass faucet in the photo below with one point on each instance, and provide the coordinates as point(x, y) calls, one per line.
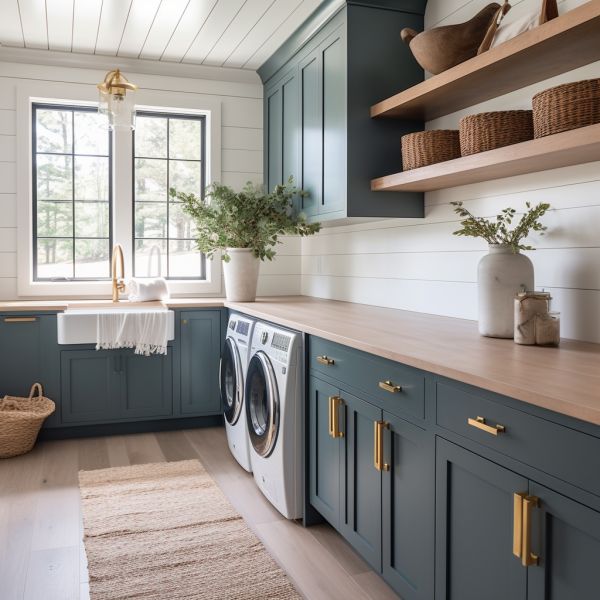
point(118, 283)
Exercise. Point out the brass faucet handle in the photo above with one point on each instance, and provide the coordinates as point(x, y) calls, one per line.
point(121, 285)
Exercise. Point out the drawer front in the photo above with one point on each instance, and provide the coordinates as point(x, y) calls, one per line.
point(557, 450)
point(402, 389)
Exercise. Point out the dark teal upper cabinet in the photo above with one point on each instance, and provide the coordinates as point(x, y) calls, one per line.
point(319, 87)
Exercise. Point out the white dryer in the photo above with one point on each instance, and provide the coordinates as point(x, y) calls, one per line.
point(273, 396)
point(232, 375)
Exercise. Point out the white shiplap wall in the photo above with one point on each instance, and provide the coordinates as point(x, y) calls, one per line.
point(419, 265)
point(241, 154)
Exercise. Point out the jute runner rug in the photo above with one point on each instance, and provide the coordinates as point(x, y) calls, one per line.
point(166, 531)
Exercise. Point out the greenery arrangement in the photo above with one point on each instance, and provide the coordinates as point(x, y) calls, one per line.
point(496, 231)
point(251, 218)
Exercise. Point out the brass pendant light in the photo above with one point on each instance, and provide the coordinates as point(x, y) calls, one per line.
point(117, 100)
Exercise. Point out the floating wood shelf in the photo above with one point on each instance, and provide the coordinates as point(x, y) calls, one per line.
point(552, 152)
point(567, 42)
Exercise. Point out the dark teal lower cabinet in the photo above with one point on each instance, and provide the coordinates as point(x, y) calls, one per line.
point(474, 528)
point(408, 494)
point(361, 506)
point(324, 453)
point(91, 386)
point(200, 351)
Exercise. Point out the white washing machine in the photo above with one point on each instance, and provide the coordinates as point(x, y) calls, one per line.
point(273, 396)
point(232, 375)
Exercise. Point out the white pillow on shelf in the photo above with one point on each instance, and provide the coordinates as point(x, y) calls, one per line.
point(507, 31)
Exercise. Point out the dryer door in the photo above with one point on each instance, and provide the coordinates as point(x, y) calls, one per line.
point(232, 384)
point(262, 404)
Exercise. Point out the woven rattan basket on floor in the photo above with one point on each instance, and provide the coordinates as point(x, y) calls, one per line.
point(565, 107)
point(21, 420)
point(429, 147)
point(491, 130)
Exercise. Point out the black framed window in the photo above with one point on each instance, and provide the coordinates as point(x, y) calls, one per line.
point(168, 151)
point(72, 193)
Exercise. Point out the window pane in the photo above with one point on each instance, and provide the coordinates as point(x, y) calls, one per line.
point(91, 178)
point(91, 133)
point(54, 258)
point(150, 258)
point(151, 137)
point(151, 219)
point(54, 131)
point(185, 139)
point(92, 219)
point(55, 219)
point(181, 225)
point(184, 259)
point(185, 176)
point(150, 180)
point(92, 259)
point(54, 177)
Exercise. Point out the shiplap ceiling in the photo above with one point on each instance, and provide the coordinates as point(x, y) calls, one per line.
point(222, 33)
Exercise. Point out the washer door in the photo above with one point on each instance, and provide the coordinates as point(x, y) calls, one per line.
point(262, 404)
point(232, 384)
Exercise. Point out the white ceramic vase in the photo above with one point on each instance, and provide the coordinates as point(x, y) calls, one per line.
point(241, 275)
point(501, 274)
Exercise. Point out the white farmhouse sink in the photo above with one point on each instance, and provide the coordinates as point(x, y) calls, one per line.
point(78, 325)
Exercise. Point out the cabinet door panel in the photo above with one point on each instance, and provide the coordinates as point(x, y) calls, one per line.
point(200, 351)
point(275, 137)
point(408, 509)
point(361, 489)
point(290, 134)
point(311, 132)
point(474, 528)
point(91, 385)
point(334, 124)
point(568, 543)
point(324, 453)
point(147, 385)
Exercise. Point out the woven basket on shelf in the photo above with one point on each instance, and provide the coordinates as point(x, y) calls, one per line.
point(21, 420)
point(490, 130)
point(429, 147)
point(565, 107)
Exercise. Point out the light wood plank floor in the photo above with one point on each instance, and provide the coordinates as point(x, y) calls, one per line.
point(41, 553)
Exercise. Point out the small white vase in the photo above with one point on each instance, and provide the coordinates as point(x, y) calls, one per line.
point(501, 274)
point(241, 275)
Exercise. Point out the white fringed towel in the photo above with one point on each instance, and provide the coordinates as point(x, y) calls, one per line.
point(146, 290)
point(146, 331)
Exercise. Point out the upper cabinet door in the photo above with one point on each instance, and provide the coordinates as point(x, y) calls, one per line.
point(274, 149)
point(361, 512)
point(324, 453)
point(290, 130)
point(311, 173)
point(333, 85)
point(200, 351)
point(408, 509)
point(474, 528)
point(566, 537)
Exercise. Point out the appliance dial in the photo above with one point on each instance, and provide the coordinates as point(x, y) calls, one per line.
point(264, 337)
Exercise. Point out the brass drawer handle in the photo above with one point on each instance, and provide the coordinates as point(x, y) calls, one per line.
point(378, 460)
point(20, 319)
point(334, 417)
point(523, 506)
point(389, 386)
point(480, 423)
point(325, 360)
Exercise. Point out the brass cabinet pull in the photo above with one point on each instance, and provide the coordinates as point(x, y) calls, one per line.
point(20, 319)
point(523, 506)
point(378, 460)
point(528, 558)
point(325, 360)
point(480, 423)
point(330, 420)
point(389, 386)
point(334, 417)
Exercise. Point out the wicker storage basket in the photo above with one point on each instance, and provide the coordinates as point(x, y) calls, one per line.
point(490, 130)
point(21, 420)
point(565, 107)
point(429, 147)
